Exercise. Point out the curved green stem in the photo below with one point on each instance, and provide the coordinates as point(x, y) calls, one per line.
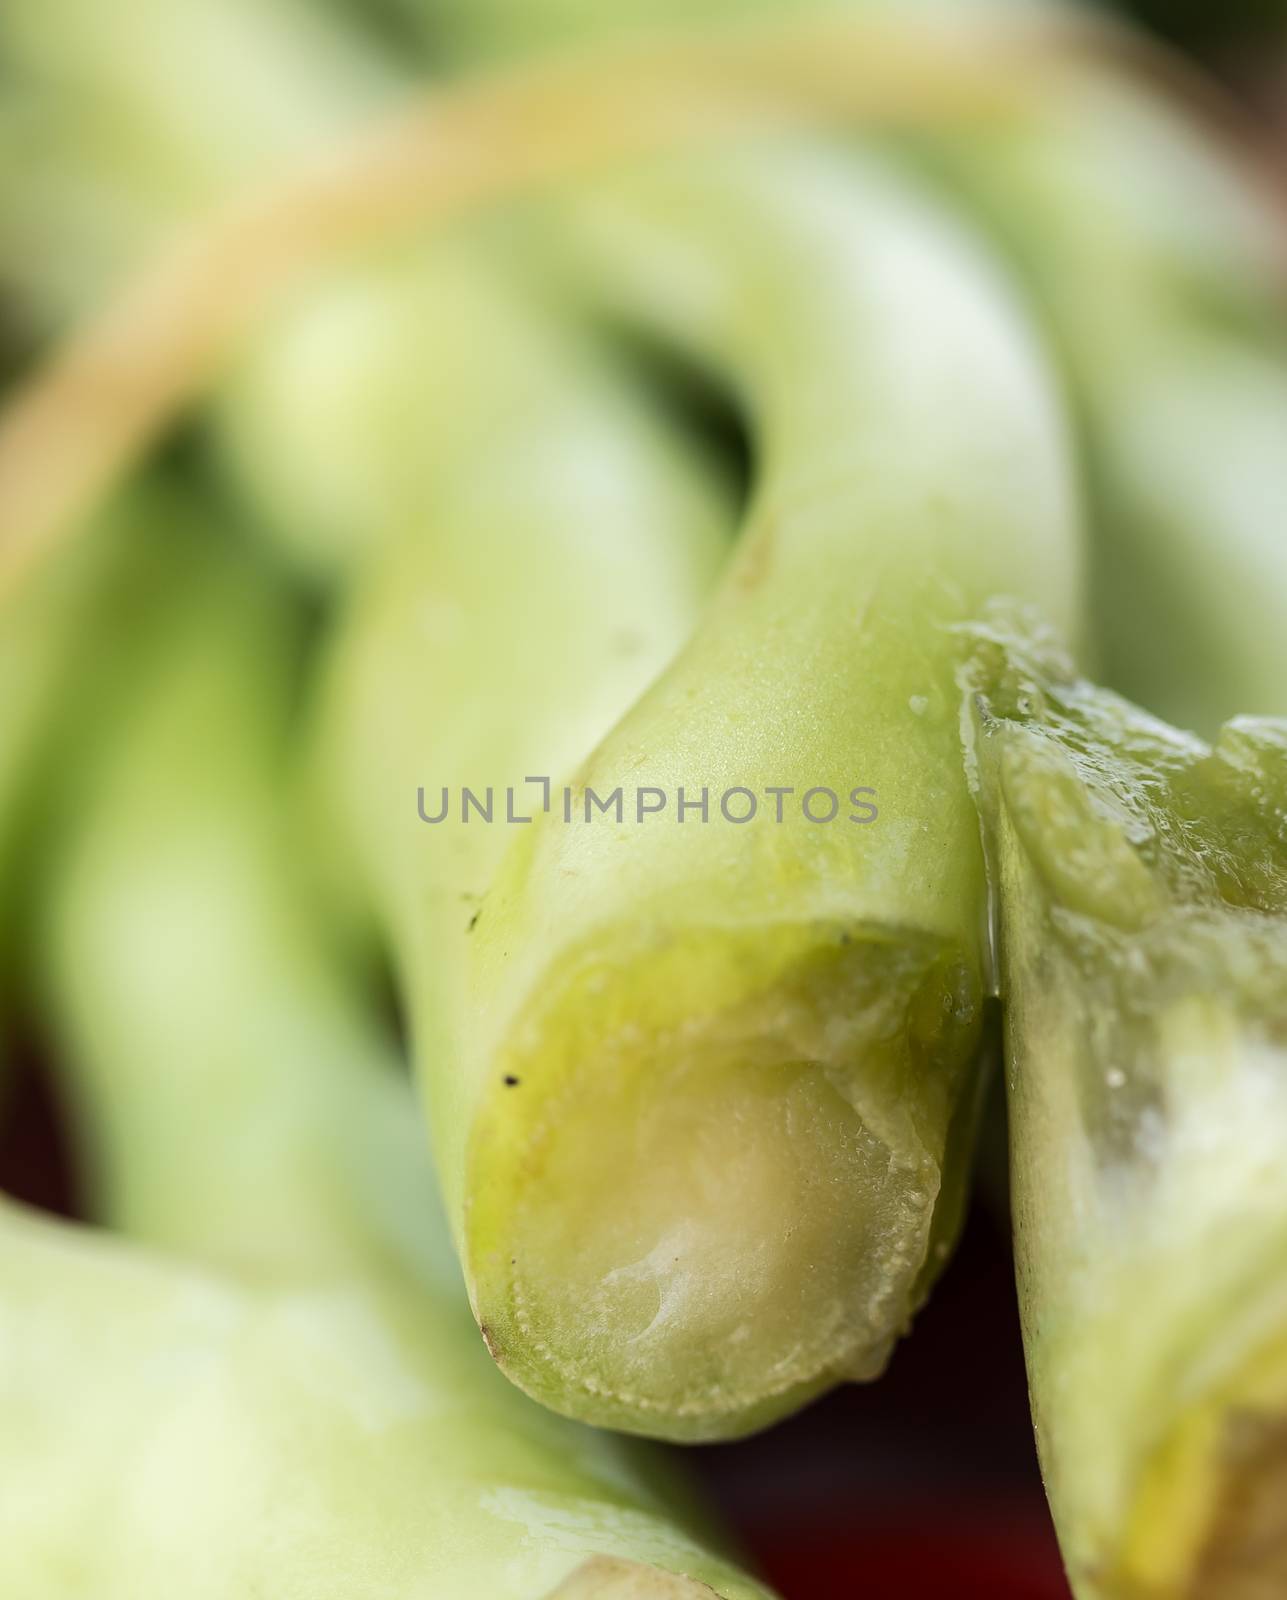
point(1154, 241)
point(703, 1091)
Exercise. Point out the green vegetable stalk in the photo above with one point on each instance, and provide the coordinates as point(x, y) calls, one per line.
point(703, 1090)
point(118, 122)
point(1156, 250)
point(401, 383)
point(282, 1374)
point(1142, 892)
point(1159, 263)
point(48, 639)
point(338, 425)
point(37, 650)
point(314, 1440)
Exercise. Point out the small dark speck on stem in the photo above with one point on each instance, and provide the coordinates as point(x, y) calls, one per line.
point(511, 1082)
point(473, 921)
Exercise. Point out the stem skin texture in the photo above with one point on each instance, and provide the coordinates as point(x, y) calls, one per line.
point(703, 1092)
point(1141, 876)
point(278, 1370)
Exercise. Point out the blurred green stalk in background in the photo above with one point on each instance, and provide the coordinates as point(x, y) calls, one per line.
point(287, 1381)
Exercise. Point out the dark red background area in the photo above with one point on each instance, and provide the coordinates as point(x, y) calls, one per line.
point(923, 1486)
point(978, 1553)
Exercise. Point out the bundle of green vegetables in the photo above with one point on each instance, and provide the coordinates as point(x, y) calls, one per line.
point(654, 616)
